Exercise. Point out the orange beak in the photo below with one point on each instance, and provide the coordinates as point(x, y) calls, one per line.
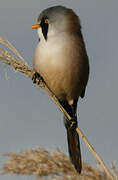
point(36, 26)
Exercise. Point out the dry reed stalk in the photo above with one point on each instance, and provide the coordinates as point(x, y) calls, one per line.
point(18, 63)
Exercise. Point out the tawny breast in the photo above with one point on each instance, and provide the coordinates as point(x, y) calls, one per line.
point(62, 66)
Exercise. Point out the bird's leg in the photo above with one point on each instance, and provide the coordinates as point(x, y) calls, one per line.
point(73, 121)
point(71, 124)
point(71, 110)
point(37, 78)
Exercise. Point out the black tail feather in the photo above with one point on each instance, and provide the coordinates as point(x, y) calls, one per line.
point(74, 147)
point(72, 136)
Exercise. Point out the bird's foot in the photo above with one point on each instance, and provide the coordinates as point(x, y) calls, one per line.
point(71, 124)
point(37, 78)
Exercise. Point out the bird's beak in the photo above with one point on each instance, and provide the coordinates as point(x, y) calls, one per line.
point(36, 26)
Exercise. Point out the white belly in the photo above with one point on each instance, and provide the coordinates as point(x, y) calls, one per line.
point(50, 61)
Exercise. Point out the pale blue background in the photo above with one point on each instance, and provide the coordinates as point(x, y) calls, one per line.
point(28, 118)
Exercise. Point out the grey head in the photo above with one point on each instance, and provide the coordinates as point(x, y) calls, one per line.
point(53, 12)
point(58, 19)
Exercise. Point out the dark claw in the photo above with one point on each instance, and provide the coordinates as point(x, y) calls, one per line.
point(37, 78)
point(71, 124)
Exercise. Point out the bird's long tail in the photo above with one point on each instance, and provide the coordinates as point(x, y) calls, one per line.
point(74, 146)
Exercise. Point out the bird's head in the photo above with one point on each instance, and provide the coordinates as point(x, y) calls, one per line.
point(55, 20)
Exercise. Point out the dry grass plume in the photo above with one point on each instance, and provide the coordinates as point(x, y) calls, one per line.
point(49, 165)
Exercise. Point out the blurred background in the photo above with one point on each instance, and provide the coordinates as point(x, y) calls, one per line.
point(28, 118)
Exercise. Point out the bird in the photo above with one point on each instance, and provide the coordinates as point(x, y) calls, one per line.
point(61, 60)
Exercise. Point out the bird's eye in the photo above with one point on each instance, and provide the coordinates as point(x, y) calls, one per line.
point(46, 21)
